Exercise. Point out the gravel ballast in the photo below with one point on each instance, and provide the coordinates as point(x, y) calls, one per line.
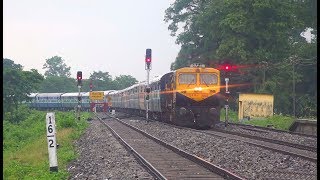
point(101, 156)
point(281, 136)
point(246, 160)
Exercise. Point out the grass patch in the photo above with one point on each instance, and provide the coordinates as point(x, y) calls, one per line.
point(232, 115)
point(277, 121)
point(26, 150)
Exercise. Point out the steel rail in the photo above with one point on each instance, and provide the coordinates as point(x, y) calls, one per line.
point(143, 161)
point(213, 168)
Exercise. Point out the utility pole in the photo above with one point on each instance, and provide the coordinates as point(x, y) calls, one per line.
point(293, 60)
point(91, 102)
point(265, 64)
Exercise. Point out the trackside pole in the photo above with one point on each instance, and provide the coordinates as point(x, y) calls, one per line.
point(79, 102)
point(227, 102)
point(51, 139)
point(147, 109)
point(147, 90)
point(79, 78)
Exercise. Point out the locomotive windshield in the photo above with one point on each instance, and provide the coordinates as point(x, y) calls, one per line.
point(208, 79)
point(187, 78)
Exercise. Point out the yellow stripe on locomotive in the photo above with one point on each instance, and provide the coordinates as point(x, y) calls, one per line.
point(198, 82)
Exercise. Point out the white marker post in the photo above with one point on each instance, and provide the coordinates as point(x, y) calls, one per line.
point(52, 145)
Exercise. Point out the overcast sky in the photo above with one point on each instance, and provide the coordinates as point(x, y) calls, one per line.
point(90, 35)
point(97, 35)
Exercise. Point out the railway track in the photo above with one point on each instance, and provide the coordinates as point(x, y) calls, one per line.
point(161, 159)
point(295, 150)
point(268, 129)
point(275, 136)
point(262, 135)
point(258, 141)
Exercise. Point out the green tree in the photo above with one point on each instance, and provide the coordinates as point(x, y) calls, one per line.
point(18, 84)
point(55, 66)
point(9, 64)
point(244, 31)
point(101, 81)
point(124, 81)
point(56, 84)
point(264, 34)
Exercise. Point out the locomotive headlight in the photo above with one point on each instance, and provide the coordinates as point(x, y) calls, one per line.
point(198, 88)
point(183, 111)
point(213, 111)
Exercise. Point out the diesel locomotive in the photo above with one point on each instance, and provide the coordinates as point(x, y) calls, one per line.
point(188, 96)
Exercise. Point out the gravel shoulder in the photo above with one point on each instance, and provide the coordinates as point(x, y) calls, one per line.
point(101, 156)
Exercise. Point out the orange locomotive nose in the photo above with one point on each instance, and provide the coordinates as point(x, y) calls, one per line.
point(199, 93)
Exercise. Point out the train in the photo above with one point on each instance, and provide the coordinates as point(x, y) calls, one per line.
point(189, 96)
point(64, 101)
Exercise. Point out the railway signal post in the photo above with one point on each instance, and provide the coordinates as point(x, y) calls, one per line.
point(148, 68)
point(227, 101)
point(226, 67)
point(79, 78)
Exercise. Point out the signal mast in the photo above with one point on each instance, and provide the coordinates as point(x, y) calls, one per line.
point(79, 78)
point(148, 89)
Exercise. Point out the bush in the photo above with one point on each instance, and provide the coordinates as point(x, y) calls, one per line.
point(65, 121)
point(17, 115)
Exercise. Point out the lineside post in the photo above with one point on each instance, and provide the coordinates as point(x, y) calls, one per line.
point(51, 139)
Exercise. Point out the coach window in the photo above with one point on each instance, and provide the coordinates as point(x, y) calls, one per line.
point(187, 79)
point(208, 79)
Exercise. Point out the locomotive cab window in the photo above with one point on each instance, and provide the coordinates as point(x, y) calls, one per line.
point(187, 79)
point(208, 79)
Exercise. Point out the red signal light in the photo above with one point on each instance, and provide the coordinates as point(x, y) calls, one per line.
point(226, 67)
point(79, 75)
point(148, 55)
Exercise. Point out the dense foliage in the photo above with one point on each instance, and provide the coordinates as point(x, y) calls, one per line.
point(18, 84)
point(261, 37)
